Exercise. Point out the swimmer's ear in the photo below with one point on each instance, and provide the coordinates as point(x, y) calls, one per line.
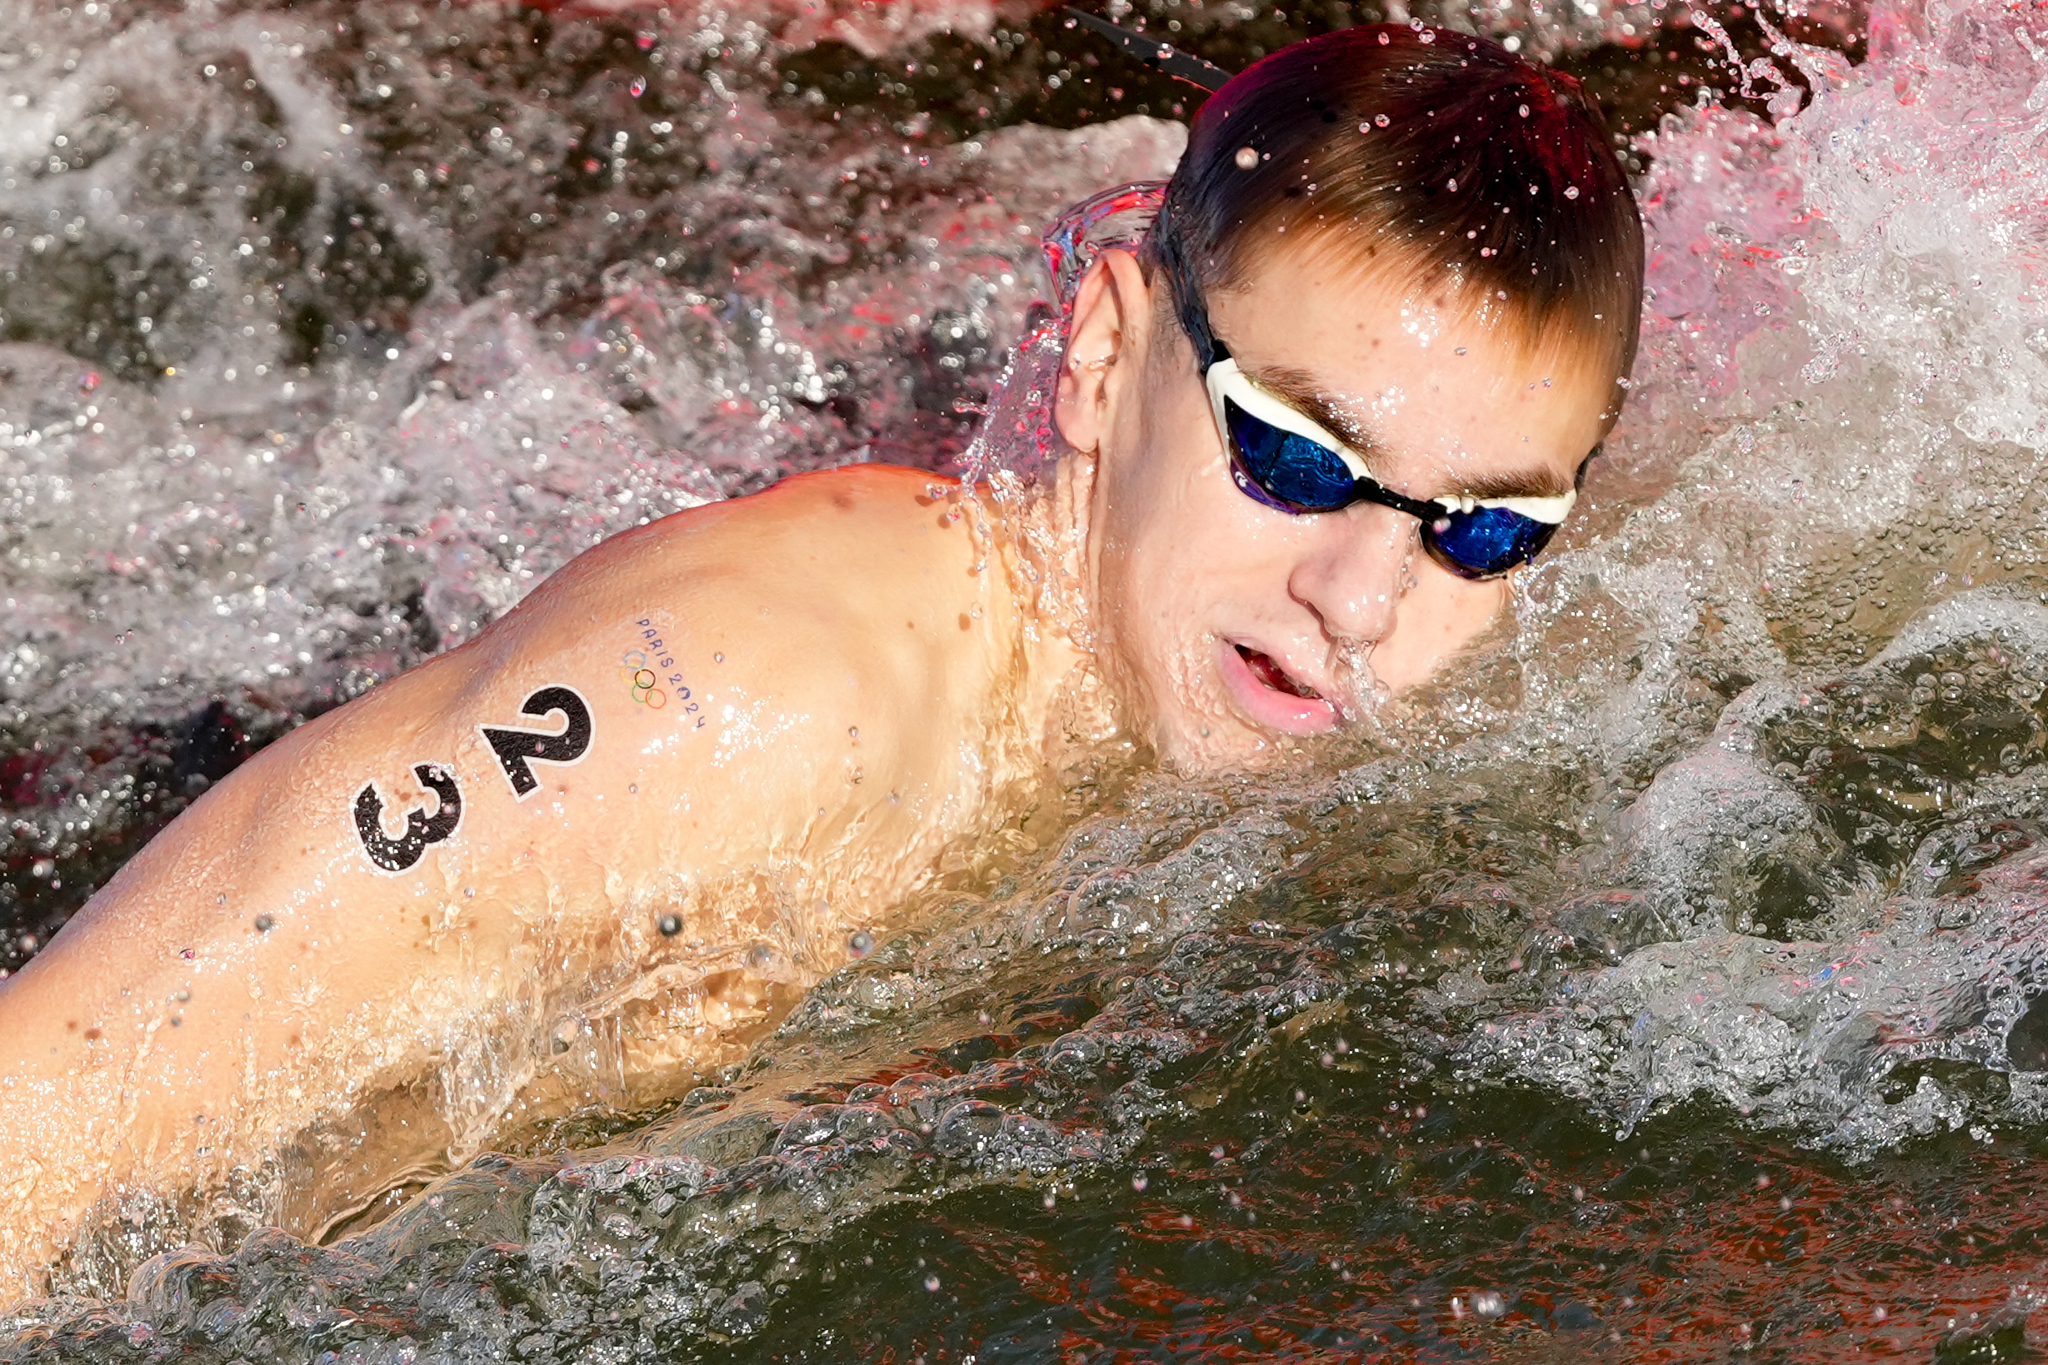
point(1112, 313)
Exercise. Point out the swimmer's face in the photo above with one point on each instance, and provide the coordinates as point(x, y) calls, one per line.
point(1230, 627)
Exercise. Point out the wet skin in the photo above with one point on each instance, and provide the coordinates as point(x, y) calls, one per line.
point(854, 676)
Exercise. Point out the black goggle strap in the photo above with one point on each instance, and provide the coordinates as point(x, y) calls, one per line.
point(1187, 300)
point(1372, 490)
point(1153, 53)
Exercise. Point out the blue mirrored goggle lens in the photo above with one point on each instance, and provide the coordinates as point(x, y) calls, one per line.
point(1485, 541)
point(1295, 473)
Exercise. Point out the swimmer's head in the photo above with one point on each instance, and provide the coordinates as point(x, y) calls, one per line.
point(1436, 158)
point(1393, 252)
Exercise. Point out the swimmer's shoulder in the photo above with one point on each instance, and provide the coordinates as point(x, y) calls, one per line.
point(846, 543)
point(829, 602)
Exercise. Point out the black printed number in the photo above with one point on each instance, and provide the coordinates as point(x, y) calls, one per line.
point(517, 749)
point(421, 829)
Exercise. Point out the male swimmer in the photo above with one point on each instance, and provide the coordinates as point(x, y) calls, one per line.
point(1343, 391)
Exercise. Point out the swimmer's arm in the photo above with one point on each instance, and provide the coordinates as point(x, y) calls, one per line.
point(548, 756)
point(398, 841)
point(191, 1008)
point(258, 959)
point(241, 933)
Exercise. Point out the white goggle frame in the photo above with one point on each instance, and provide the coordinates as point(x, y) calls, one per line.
point(1225, 379)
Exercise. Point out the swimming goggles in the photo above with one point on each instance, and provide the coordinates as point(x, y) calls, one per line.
point(1281, 457)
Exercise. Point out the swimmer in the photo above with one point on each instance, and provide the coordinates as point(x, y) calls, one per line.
point(1347, 386)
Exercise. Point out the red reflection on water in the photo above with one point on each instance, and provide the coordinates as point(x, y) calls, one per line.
point(1352, 1246)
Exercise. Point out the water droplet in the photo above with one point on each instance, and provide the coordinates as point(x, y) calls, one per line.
point(1247, 157)
point(861, 944)
point(1381, 120)
point(1488, 1304)
point(264, 924)
point(1523, 110)
point(1571, 191)
point(639, 86)
point(718, 658)
point(1138, 1182)
point(931, 1283)
point(670, 925)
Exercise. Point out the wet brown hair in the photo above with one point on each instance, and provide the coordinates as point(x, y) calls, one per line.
point(1439, 153)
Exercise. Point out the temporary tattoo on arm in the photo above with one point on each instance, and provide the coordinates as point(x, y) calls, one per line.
point(651, 673)
point(421, 829)
point(517, 750)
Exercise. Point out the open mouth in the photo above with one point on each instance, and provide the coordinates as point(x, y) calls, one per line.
point(1272, 675)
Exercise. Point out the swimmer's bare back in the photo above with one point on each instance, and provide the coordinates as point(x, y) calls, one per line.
point(687, 766)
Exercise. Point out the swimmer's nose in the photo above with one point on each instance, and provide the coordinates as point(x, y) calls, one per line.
point(1354, 575)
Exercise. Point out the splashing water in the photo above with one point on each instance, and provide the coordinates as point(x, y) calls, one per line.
point(1697, 928)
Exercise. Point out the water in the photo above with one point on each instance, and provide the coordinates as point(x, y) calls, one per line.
point(1661, 987)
